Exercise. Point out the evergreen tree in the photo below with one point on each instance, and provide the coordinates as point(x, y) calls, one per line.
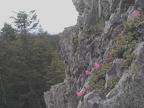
point(25, 22)
point(7, 32)
point(28, 70)
point(28, 66)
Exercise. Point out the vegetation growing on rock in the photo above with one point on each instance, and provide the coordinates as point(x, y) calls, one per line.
point(127, 3)
point(124, 44)
point(122, 47)
point(112, 82)
point(98, 78)
point(75, 42)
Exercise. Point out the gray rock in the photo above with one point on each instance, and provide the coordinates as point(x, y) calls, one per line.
point(115, 72)
point(139, 4)
point(55, 97)
point(128, 93)
point(140, 27)
point(92, 100)
point(131, 16)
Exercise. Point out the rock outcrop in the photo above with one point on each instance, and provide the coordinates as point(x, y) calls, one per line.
point(55, 97)
point(108, 33)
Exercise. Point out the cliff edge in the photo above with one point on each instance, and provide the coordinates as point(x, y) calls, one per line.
point(104, 57)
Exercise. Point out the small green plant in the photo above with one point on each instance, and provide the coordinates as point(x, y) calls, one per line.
point(112, 82)
point(131, 25)
point(75, 42)
point(124, 45)
point(100, 24)
point(127, 3)
point(98, 27)
point(124, 48)
point(98, 79)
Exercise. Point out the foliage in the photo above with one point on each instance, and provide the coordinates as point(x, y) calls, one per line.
point(25, 21)
point(27, 70)
point(95, 28)
point(124, 44)
point(131, 25)
point(7, 32)
point(100, 24)
point(127, 3)
point(29, 63)
point(98, 79)
point(112, 82)
point(75, 42)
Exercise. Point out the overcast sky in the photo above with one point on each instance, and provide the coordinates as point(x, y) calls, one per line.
point(54, 15)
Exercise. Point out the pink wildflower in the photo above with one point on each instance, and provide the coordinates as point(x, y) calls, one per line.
point(136, 12)
point(87, 72)
point(97, 65)
point(80, 94)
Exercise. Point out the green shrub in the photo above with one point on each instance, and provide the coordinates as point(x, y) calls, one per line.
point(125, 44)
point(100, 24)
point(95, 28)
point(127, 3)
point(75, 42)
point(112, 82)
point(123, 47)
point(98, 79)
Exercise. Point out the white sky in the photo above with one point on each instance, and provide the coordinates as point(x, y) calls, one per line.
point(54, 15)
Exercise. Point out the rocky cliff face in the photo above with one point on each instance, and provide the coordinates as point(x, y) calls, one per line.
point(109, 33)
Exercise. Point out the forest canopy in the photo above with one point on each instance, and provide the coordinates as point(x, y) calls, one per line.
point(29, 63)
